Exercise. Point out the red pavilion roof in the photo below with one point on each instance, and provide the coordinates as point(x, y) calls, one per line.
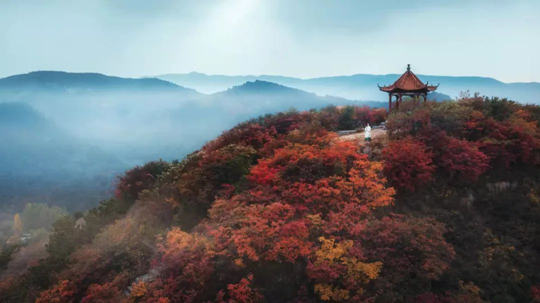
point(408, 82)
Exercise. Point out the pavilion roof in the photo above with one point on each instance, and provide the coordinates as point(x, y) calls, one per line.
point(408, 82)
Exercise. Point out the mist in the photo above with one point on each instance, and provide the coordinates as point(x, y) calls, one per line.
point(69, 139)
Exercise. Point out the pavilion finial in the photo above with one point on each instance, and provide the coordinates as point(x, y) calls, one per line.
point(408, 67)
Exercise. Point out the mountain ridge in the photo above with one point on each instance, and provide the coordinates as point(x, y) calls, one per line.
point(364, 86)
point(61, 80)
point(327, 77)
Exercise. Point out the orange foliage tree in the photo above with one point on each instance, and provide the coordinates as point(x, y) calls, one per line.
point(62, 292)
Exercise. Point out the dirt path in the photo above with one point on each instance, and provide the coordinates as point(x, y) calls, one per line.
point(360, 136)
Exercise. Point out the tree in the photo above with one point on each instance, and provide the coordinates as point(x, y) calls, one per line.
point(107, 292)
point(346, 119)
point(240, 292)
point(134, 181)
point(407, 164)
point(63, 292)
point(17, 224)
point(413, 250)
point(462, 160)
point(338, 272)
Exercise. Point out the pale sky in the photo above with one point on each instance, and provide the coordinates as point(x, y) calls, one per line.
point(299, 38)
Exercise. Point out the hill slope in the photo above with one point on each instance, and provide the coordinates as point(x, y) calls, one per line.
point(277, 209)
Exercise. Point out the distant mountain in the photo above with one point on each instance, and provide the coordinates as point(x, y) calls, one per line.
point(266, 97)
point(210, 84)
point(364, 86)
point(204, 118)
point(101, 108)
point(57, 81)
point(40, 162)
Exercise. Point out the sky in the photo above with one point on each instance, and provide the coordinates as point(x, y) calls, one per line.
point(298, 38)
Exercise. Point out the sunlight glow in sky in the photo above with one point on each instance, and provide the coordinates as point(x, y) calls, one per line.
point(300, 38)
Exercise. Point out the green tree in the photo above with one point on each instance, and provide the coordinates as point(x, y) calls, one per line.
point(346, 119)
point(38, 215)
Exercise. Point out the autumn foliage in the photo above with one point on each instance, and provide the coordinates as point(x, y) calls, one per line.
point(464, 140)
point(139, 178)
point(279, 209)
point(408, 163)
point(462, 160)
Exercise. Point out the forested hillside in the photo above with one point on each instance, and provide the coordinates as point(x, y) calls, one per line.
point(444, 208)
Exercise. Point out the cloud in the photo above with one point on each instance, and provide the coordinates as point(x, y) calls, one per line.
point(305, 38)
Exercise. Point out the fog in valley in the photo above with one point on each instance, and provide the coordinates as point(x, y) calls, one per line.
point(67, 136)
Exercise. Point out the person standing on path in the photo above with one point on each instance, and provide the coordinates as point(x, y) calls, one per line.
point(367, 133)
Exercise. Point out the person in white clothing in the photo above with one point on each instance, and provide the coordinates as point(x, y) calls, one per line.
point(367, 133)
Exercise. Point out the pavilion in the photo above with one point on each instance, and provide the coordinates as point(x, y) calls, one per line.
point(407, 85)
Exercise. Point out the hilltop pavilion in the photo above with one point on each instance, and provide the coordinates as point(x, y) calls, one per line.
point(407, 85)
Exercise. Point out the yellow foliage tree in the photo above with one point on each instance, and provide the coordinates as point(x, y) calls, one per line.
point(138, 289)
point(17, 224)
point(336, 257)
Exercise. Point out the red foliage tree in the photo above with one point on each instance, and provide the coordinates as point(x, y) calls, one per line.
point(208, 172)
point(62, 292)
point(139, 178)
point(462, 160)
point(283, 123)
point(508, 142)
point(366, 115)
point(401, 124)
point(408, 164)
point(240, 292)
point(535, 293)
point(247, 134)
point(108, 292)
point(185, 267)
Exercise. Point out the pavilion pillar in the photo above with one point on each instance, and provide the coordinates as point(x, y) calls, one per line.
point(389, 103)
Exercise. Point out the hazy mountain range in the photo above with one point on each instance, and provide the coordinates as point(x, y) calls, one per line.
point(364, 86)
point(65, 136)
point(80, 82)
